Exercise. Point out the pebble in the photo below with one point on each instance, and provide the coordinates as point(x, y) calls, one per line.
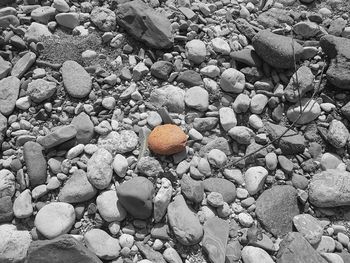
point(196, 51)
point(232, 81)
point(255, 178)
point(109, 206)
point(99, 169)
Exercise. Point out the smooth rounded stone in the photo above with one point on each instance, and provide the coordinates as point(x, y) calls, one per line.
point(39, 191)
point(77, 189)
point(241, 103)
point(75, 151)
point(126, 240)
point(7, 183)
point(245, 219)
point(101, 244)
point(276, 207)
point(76, 79)
point(55, 219)
point(9, 90)
point(220, 46)
point(234, 175)
point(23, 103)
point(295, 249)
point(109, 207)
point(255, 178)
point(6, 209)
point(252, 254)
point(53, 183)
point(184, 223)
point(228, 118)
point(65, 248)
point(9, 20)
point(217, 158)
point(332, 257)
point(61, 5)
point(58, 136)
point(258, 103)
point(197, 98)
point(241, 134)
point(210, 71)
point(161, 69)
point(196, 51)
point(84, 127)
point(122, 142)
point(330, 161)
point(99, 169)
point(255, 122)
point(193, 190)
point(43, 14)
point(232, 81)
point(172, 97)
point(154, 119)
point(327, 244)
point(68, 20)
point(22, 206)
point(286, 164)
point(171, 255)
point(40, 90)
point(226, 188)
point(103, 18)
point(216, 233)
point(306, 29)
point(36, 31)
point(205, 124)
point(310, 108)
point(109, 103)
point(337, 134)
point(330, 188)
point(35, 163)
point(167, 139)
point(14, 244)
point(136, 195)
point(277, 50)
point(309, 227)
point(162, 199)
point(149, 166)
point(343, 239)
point(215, 199)
point(120, 165)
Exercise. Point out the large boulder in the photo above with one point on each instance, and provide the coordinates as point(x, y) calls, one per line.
point(277, 50)
point(145, 24)
point(337, 49)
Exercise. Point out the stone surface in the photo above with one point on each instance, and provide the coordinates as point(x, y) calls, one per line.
point(22, 206)
point(9, 90)
point(295, 249)
point(193, 190)
point(252, 254)
point(310, 111)
point(55, 219)
point(162, 200)
point(215, 239)
point(184, 223)
point(309, 227)
point(172, 97)
point(99, 169)
point(76, 79)
point(103, 18)
point(275, 209)
point(196, 51)
point(330, 188)
point(135, 195)
point(338, 134)
point(110, 207)
point(232, 81)
point(226, 188)
point(146, 25)
point(276, 50)
point(197, 98)
point(40, 90)
point(122, 142)
point(254, 179)
point(167, 139)
point(77, 189)
point(64, 248)
point(35, 162)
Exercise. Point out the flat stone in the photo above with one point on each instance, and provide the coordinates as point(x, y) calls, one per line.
point(215, 239)
point(84, 127)
point(43, 14)
point(99, 169)
point(276, 50)
point(64, 248)
point(338, 134)
point(109, 206)
point(68, 20)
point(22, 206)
point(147, 25)
point(226, 188)
point(35, 163)
point(276, 207)
point(193, 190)
point(309, 227)
point(55, 219)
point(9, 90)
point(295, 249)
point(58, 136)
point(255, 178)
point(77, 189)
point(161, 69)
point(136, 196)
point(184, 223)
point(330, 188)
point(190, 78)
point(76, 79)
point(274, 17)
point(40, 90)
point(23, 65)
point(310, 111)
point(197, 98)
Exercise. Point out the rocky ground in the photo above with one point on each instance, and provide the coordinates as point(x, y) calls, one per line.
point(174, 131)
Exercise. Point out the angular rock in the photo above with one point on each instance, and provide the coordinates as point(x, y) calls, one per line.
point(55, 219)
point(161, 69)
point(58, 136)
point(309, 227)
point(277, 50)
point(35, 162)
point(302, 80)
point(145, 24)
point(276, 207)
point(196, 51)
point(274, 17)
point(23, 65)
point(232, 81)
point(40, 90)
point(62, 249)
point(190, 78)
point(76, 79)
point(149, 253)
point(173, 98)
point(99, 169)
point(215, 239)
point(136, 195)
point(184, 223)
point(36, 31)
point(77, 189)
point(103, 18)
point(5, 68)
point(295, 249)
point(84, 127)
point(9, 90)
point(6, 21)
point(123, 142)
point(226, 188)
